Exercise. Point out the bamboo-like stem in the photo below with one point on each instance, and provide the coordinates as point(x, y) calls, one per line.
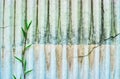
point(25, 47)
point(31, 15)
point(23, 56)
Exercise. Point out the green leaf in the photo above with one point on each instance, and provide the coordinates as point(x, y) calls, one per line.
point(24, 33)
point(28, 25)
point(28, 46)
point(14, 77)
point(28, 71)
point(18, 59)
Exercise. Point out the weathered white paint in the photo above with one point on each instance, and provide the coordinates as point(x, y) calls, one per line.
point(37, 59)
point(53, 10)
point(107, 62)
point(97, 28)
point(86, 9)
point(6, 53)
point(107, 17)
point(42, 63)
point(117, 24)
point(64, 15)
point(42, 19)
point(53, 20)
point(96, 73)
point(17, 68)
point(40, 66)
point(75, 11)
point(1, 24)
point(75, 63)
point(117, 63)
point(64, 63)
point(107, 27)
point(85, 65)
point(75, 6)
point(53, 66)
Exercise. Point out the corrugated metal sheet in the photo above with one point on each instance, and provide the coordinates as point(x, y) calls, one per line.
point(71, 39)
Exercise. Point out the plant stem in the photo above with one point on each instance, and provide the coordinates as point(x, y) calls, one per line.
point(23, 56)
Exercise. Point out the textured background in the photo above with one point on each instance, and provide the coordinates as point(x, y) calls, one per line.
point(72, 39)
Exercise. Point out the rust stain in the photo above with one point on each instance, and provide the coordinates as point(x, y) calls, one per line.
point(48, 55)
point(70, 56)
point(91, 56)
point(112, 57)
point(59, 60)
point(36, 51)
point(102, 53)
point(80, 53)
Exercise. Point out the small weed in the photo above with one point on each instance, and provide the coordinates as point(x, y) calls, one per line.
point(22, 60)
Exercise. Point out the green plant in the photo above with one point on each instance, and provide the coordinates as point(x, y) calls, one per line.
point(22, 60)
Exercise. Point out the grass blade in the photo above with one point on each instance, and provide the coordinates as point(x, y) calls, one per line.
point(24, 33)
point(18, 59)
point(28, 26)
point(14, 77)
point(28, 71)
point(28, 46)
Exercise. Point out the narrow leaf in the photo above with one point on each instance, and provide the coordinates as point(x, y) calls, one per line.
point(24, 33)
point(14, 77)
point(28, 26)
point(28, 46)
point(18, 59)
point(28, 71)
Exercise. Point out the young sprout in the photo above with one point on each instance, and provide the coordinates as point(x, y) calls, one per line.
point(22, 60)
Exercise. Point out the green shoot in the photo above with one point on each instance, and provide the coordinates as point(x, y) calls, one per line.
point(23, 61)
